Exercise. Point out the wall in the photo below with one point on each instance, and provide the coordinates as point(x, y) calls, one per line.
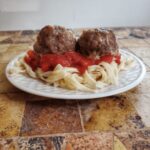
point(75, 13)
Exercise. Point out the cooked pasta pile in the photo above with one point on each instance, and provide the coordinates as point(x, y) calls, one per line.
point(95, 77)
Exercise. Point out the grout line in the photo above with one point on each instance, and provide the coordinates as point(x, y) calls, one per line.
point(79, 133)
point(148, 67)
point(57, 134)
point(22, 118)
point(81, 118)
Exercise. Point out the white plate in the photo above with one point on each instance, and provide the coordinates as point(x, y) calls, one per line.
point(127, 80)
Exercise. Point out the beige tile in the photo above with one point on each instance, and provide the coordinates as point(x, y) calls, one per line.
point(9, 33)
point(3, 37)
point(120, 45)
point(147, 61)
point(142, 104)
point(12, 51)
point(134, 42)
point(141, 51)
point(33, 38)
point(147, 40)
point(122, 32)
point(147, 68)
point(24, 39)
point(11, 113)
point(111, 113)
point(3, 48)
point(7, 37)
point(138, 33)
point(5, 85)
point(144, 54)
point(143, 87)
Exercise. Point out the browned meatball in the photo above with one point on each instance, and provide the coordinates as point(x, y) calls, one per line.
point(54, 39)
point(97, 42)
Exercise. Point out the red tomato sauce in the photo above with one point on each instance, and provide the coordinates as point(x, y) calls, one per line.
point(48, 62)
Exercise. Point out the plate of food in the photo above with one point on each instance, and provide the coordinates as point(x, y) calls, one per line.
point(63, 66)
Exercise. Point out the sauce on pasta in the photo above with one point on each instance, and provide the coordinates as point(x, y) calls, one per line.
point(48, 62)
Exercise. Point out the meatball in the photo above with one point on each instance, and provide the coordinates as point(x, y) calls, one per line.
point(54, 39)
point(97, 42)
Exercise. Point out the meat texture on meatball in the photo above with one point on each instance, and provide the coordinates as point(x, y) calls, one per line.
point(54, 39)
point(97, 42)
